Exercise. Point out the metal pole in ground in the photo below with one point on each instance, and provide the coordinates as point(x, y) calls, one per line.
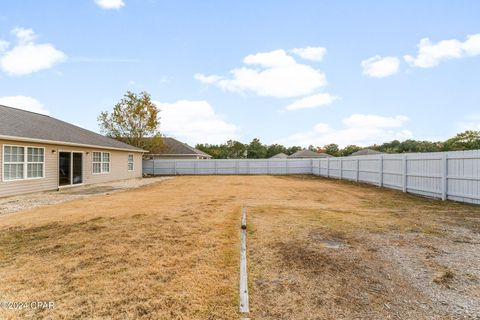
point(244, 305)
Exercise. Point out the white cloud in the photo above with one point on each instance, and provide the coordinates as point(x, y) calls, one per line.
point(362, 130)
point(195, 122)
point(311, 53)
point(380, 67)
point(24, 35)
point(207, 79)
point(26, 56)
point(271, 74)
point(313, 101)
point(430, 54)
point(24, 103)
point(471, 46)
point(110, 4)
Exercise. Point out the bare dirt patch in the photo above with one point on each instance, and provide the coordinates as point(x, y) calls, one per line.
point(317, 249)
point(40, 199)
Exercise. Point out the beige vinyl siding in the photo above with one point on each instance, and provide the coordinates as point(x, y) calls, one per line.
point(48, 182)
point(118, 168)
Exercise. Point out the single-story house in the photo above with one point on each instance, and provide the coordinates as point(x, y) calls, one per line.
point(279, 155)
point(308, 154)
point(40, 153)
point(365, 152)
point(173, 149)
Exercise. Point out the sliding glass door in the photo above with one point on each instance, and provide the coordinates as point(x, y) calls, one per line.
point(77, 172)
point(70, 168)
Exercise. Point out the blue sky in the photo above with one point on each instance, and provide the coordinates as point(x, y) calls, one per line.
point(294, 72)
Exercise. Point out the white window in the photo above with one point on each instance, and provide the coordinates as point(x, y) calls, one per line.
point(101, 162)
point(23, 162)
point(130, 162)
point(35, 162)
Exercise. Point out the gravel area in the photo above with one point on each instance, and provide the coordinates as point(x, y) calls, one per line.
point(444, 268)
point(39, 199)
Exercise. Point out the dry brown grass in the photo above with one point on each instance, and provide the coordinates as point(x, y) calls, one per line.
point(162, 252)
point(170, 251)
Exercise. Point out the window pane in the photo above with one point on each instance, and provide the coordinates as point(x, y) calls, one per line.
point(106, 157)
point(7, 152)
point(35, 154)
point(35, 170)
point(18, 171)
point(13, 154)
point(97, 168)
point(106, 167)
point(13, 171)
point(97, 157)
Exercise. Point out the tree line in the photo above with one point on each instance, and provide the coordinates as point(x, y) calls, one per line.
point(468, 140)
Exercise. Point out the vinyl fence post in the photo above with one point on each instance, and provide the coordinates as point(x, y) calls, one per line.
point(174, 167)
point(445, 176)
point(194, 167)
point(328, 167)
point(215, 164)
point(380, 172)
point(341, 168)
point(404, 165)
point(319, 172)
point(358, 170)
point(286, 167)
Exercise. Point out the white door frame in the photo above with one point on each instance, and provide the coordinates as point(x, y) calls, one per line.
point(71, 169)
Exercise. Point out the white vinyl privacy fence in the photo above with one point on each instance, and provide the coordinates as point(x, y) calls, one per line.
point(443, 175)
point(227, 166)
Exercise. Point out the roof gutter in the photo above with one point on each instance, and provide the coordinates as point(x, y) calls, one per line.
point(64, 143)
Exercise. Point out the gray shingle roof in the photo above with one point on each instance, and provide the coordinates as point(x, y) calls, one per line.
point(309, 154)
point(29, 125)
point(364, 152)
point(174, 147)
point(280, 155)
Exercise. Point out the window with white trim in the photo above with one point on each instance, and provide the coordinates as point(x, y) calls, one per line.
point(101, 162)
point(130, 162)
point(23, 162)
point(35, 162)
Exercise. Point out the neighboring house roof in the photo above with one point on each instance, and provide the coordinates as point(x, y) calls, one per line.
point(171, 146)
point(280, 155)
point(21, 125)
point(365, 152)
point(309, 154)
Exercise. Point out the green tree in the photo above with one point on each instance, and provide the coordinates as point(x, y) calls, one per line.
point(256, 150)
point(348, 150)
point(332, 149)
point(235, 149)
point(274, 149)
point(133, 120)
point(468, 140)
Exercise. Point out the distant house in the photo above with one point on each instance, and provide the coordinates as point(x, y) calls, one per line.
point(174, 149)
point(280, 155)
point(40, 153)
point(365, 152)
point(307, 154)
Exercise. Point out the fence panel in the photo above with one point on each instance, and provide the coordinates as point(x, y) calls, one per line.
point(443, 175)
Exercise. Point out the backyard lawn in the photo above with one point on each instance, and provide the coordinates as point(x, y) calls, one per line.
point(317, 249)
